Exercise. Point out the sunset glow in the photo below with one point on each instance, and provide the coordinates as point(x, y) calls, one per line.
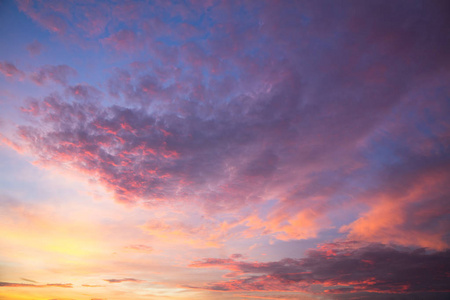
point(224, 149)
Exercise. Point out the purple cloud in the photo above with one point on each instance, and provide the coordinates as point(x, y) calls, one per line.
point(124, 40)
point(237, 256)
point(352, 266)
point(123, 280)
point(34, 48)
point(278, 120)
point(10, 70)
point(58, 74)
point(83, 92)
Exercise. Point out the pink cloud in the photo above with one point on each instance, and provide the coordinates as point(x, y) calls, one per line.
point(66, 18)
point(249, 153)
point(286, 226)
point(50, 15)
point(140, 248)
point(241, 117)
point(84, 92)
point(124, 280)
point(124, 40)
point(93, 19)
point(291, 120)
point(206, 235)
point(10, 70)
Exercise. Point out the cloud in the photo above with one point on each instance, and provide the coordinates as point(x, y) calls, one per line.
point(83, 19)
point(236, 256)
point(41, 12)
point(172, 155)
point(341, 267)
point(208, 234)
point(287, 225)
point(84, 92)
point(10, 70)
point(140, 248)
point(278, 105)
point(62, 285)
point(10, 143)
point(92, 285)
point(123, 40)
point(407, 199)
point(289, 120)
point(123, 280)
point(390, 221)
point(29, 280)
point(58, 74)
point(34, 48)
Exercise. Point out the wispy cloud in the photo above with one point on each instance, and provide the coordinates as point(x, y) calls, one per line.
point(35, 48)
point(140, 248)
point(124, 280)
point(58, 74)
point(62, 285)
point(10, 70)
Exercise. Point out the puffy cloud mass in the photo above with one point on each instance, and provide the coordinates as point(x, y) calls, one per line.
point(344, 126)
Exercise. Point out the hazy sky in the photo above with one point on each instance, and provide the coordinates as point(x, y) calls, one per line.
point(224, 149)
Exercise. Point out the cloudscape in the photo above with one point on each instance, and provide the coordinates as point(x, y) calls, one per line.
point(226, 150)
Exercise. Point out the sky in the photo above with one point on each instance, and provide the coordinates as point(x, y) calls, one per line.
point(208, 149)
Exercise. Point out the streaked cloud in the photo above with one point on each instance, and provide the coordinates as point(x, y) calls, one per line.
point(123, 280)
point(10, 70)
point(10, 284)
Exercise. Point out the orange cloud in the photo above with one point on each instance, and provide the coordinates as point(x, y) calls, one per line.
point(286, 225)
point(10, 284)
point(398, 218)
